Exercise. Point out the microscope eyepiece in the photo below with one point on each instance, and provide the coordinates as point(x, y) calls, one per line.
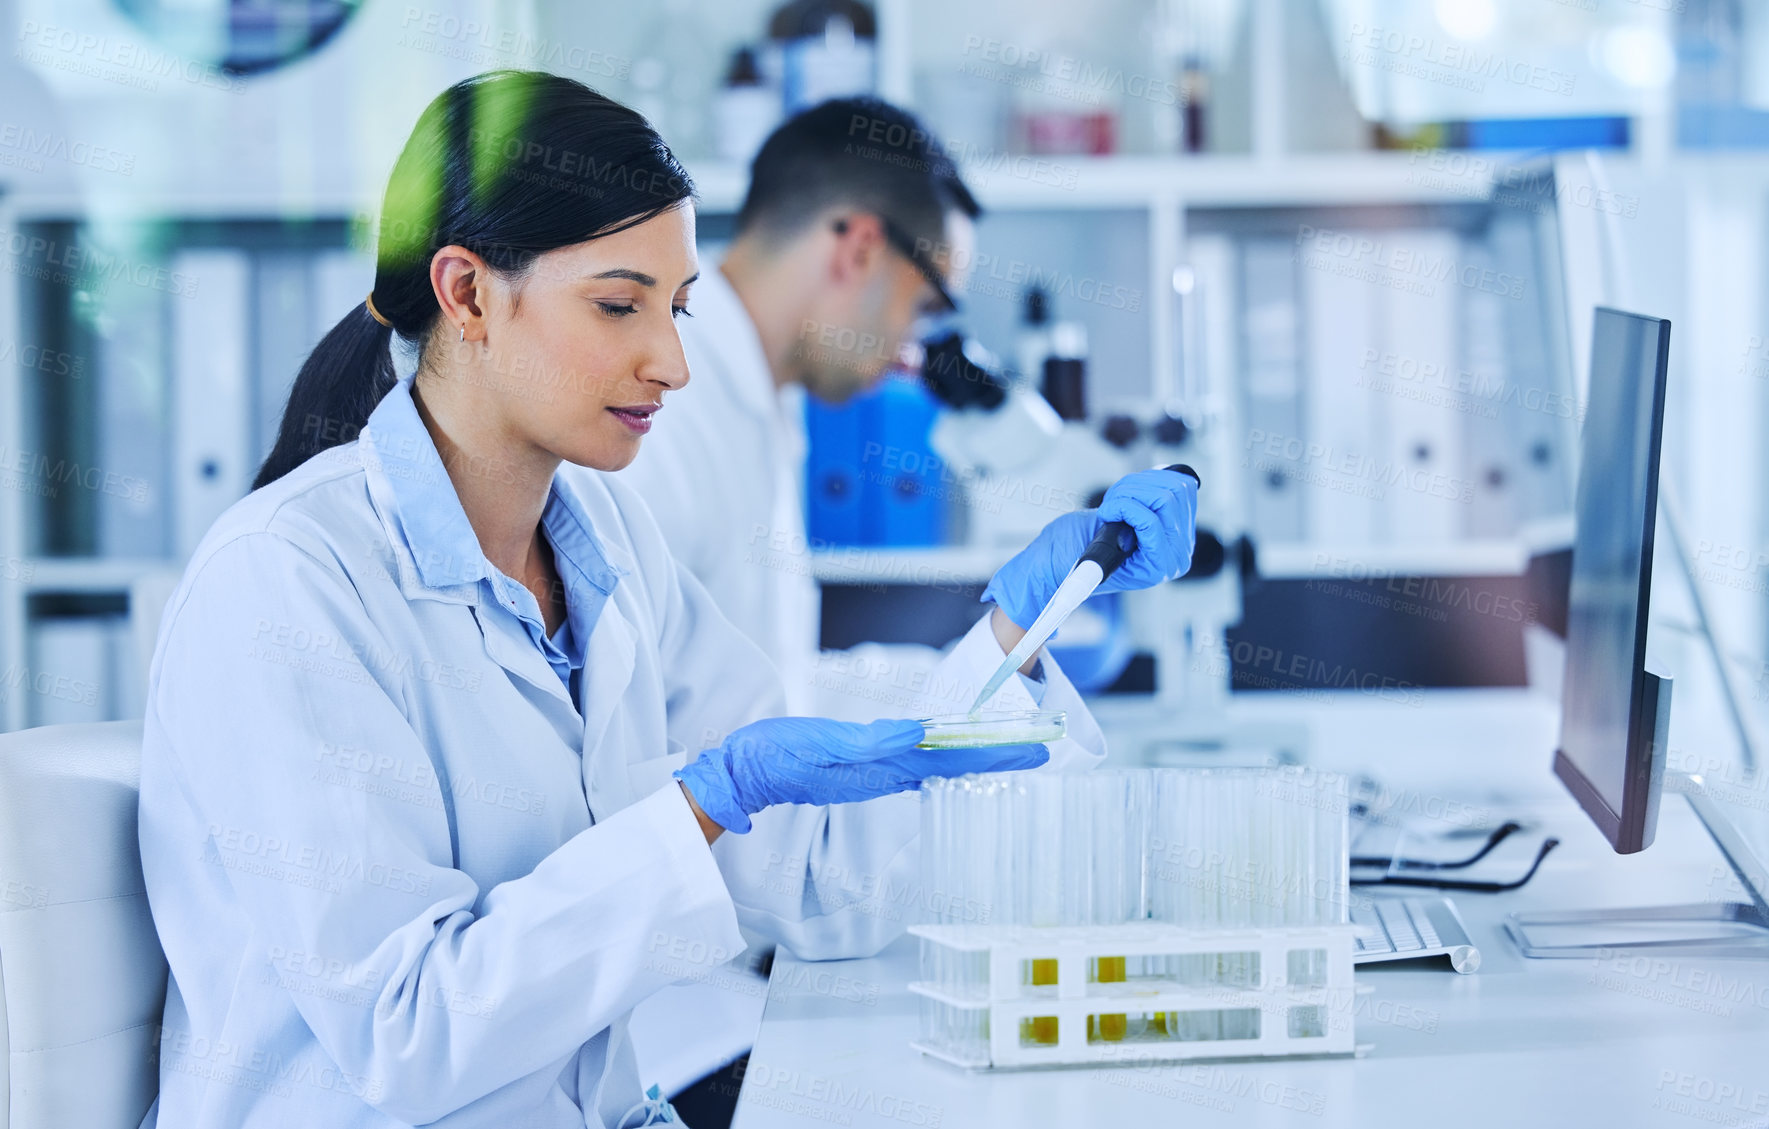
point(961, 373)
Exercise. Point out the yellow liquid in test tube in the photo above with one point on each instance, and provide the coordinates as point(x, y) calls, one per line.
point(1043, 1028)
point(1112, 1028)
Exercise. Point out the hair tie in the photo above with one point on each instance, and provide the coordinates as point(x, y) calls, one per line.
point(374, 313)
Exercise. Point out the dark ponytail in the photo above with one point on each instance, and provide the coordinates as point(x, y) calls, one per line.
point(510, 165)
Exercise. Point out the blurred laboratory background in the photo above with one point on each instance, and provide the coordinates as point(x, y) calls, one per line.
point(1341, 256)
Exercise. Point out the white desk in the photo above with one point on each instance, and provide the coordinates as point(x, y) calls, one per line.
point(1562, 1044)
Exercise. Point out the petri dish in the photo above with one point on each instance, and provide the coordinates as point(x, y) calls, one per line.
point(1016, 727)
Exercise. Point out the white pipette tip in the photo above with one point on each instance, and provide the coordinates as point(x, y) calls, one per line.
point(1070, 594)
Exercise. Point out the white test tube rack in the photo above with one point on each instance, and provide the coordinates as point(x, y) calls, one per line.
point(1312, 1016)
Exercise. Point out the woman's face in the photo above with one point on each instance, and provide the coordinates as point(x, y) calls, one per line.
point(579, 352)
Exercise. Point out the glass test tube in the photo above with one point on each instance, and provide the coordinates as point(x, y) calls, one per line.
point(1117, 853)
point(1203, 849)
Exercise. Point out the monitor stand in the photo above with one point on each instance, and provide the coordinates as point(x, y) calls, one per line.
point(1702, 929)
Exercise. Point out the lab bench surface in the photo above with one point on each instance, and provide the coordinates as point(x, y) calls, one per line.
point(1624, 1041)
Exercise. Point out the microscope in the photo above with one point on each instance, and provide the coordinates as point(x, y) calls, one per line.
point(1022, 455)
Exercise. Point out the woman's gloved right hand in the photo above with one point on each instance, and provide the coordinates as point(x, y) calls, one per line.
point(813, 760)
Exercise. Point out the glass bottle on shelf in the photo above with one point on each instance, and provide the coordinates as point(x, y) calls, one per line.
point(746, 111)
point(1188, 42)
point(822, 49)
point(673, 76)
point(1194, 98)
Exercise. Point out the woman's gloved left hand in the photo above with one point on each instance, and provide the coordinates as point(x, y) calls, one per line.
point(1161, 505)
point(813, 760)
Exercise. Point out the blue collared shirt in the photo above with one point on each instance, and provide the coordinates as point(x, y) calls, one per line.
point(447, 552)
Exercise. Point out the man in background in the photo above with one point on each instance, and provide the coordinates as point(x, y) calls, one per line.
point(848, 236)
point(854, 231)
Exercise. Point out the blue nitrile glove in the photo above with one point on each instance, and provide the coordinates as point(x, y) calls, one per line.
point(1161, 505)
point(812, 760)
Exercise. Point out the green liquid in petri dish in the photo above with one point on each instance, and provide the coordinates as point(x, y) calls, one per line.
point(1030, 727)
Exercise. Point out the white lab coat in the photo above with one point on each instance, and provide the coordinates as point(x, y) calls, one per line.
point(399, 878)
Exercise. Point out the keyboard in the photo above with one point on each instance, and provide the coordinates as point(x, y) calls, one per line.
point(1410, 928)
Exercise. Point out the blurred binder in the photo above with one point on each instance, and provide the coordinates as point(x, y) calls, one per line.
point(76, 665)
point(211, 453)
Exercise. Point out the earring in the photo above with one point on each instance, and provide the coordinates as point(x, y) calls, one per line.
point(463, 331)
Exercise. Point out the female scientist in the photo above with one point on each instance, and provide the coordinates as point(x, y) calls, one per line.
point(419, 822)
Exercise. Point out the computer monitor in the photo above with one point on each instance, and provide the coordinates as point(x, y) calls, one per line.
point(1615, 712)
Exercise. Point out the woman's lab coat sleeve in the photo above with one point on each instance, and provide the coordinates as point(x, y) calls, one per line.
point(546, 960)
point(720, 681)
point(843, 880)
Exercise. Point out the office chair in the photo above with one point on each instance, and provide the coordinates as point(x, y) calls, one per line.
point(82, 977)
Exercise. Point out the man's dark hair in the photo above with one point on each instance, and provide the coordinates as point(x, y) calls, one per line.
point(859, 153)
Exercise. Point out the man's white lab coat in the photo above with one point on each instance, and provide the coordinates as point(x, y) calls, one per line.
point(723, 472)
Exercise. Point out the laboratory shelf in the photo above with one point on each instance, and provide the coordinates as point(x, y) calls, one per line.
point(1364, 561)
point(151, 204)
point(1008, 182)
point(1059, 182)
point(98, 575)
point(880, 564)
